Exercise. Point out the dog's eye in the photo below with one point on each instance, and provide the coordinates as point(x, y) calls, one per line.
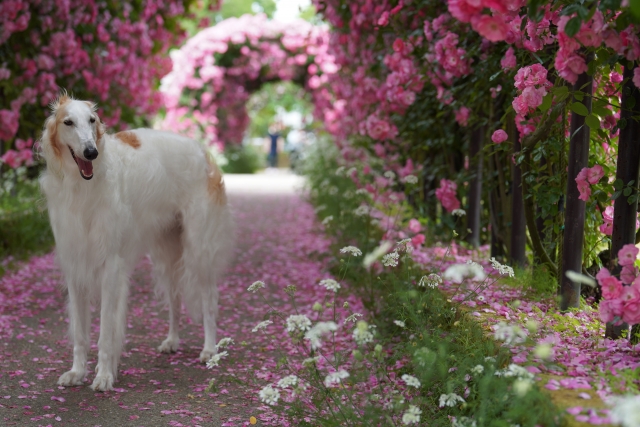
point(68, 122)
point(92, 120)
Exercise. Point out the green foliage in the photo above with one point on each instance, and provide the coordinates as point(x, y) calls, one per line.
point(210, 12)
point(24, 227)
point(243, 159)
point(538, 281)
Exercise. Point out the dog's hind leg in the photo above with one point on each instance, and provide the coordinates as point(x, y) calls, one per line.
point(166, 255)
point(209, 316)
point(114, 287)
point(79, 325)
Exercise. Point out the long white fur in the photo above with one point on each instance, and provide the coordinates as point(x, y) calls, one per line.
point(157, 198)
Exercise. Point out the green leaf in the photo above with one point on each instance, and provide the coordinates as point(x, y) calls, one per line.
point(626, 191)
point(573, 26)
point(635, 7)
point(618, 183)
point(601, 111)
point(560, 90)
point(616, 195)
point(579, 108)
point(631, 200)
point(578, 95)
point(592, 121)
point(630, 102)
point(546, 102)
point(602, 197)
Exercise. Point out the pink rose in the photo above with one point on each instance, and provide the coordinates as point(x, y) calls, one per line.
point(631, 313)
point(636, 77)
point(462, 116)
point(627, 255)
point(508, 62)
point(610, 309)
point(611, 288)
point(12, 158)
point(492, 28)
point(628, 274)
point(384, 19)
point(447, 195)
point(417, 240)
point(414, 225)
point(594, 174)
point(499, 136)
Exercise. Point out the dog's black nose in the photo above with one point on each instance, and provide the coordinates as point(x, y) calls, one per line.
point(90, 153)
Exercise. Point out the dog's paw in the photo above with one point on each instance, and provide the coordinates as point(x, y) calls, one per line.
point(71, 378)
point(169, 346)
point(103, 383)
point(205, 355)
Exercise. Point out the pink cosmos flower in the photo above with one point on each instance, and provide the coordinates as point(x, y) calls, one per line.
point(508, 62)
point(611, 287)
point(594, 174)
point(627, 255)
point(499, 136)
point(493, 28)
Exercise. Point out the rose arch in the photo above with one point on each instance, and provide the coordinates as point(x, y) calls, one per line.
point(218, 69)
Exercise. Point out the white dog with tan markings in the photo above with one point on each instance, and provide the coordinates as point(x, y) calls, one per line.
point(113, 198)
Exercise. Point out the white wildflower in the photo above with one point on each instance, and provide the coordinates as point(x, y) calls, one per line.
point(288, 381)
point(319, 329)
point(353, 318)
point(480, 298)
point(269, 395)
point(510, 334)
point(333, 190)
point(362, 334)
point(320, 208)
point(411, 415)
point(424, 356)
point(463, 422)
point(298, 322)
point(351, 250)
point(516, 371)
point(309, 361)
point(361, 210)
point(340, 171)
point(262, 325)
point(458, 212)
point(362, 192)
point(477, 370)
point(215, 359)
point(390, 260)
point(327, 220)
point(458, 272)
point(351, 171)
point(504, 270)
point(400, 323)
point(389, 175)
point(450, 399)
point(411, 179)
point(626, 411)
point(432, 281)
point(330, 284)
point(348, 194)
point(405, 244)
point(411, 381)
point(376, 254)
point(490, 359)
point(255, 286)
point(335, 378)
point(580, 278)
point(521, 386)
point(543, 351)
point(224, 342)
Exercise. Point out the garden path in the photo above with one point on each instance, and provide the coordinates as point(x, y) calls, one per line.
point(277, 240)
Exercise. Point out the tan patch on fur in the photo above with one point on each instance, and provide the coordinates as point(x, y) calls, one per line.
point(128, 138)
point(58, 108)
point(215, 182)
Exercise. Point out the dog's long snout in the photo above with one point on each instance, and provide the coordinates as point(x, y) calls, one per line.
point(90, 153)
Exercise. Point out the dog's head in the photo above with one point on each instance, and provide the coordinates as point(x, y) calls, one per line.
point(72, 134)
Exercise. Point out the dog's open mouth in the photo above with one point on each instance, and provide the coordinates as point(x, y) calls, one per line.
point(85, 166)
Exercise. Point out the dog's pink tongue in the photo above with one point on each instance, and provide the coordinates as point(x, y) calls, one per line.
point(85, 166)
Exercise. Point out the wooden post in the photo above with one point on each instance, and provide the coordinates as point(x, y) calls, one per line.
point(475, 186)
point(517, 256)
point(575, 209)
point(628, 169)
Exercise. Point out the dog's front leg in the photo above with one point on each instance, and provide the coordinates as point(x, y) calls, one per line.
point(114, 289)
point(79, 325)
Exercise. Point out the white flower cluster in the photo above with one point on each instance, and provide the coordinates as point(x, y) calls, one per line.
point(362, 333)
point(372, 257)
point(223, 343)
point(335, 378)
point(363, 192)
point(400, 323)
point(215, 359)
point(626, 411)
point(319, 329)
point(411, 381)
point(389, 175)
point(262, 325)
point(510, 334)
point(458, 272)
point(463, 422)
point(432, 281)
point(516, 371)
point(330, 284)
point(458, 212)
point(450, 399)
point(391, 259)
point(405, 244)
point(411, 415)
point(269, 395)
point(255, 286)
point(477, 370)
point(288, 381)
point(340, 171)
point(504, 270)
point(327, 220)
point(361, 210)
point(351, 250)
point(411, 179)
point(353, 318)
point(298, 322)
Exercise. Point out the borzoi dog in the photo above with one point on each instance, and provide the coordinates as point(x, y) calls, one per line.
point(111, 199)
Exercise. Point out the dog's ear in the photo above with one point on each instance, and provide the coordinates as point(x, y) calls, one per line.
point(100, 127)
point(50, 140)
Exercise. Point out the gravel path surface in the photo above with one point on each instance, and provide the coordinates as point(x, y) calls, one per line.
point(278, 242)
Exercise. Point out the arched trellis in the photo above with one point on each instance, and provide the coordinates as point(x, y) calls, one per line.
point(217, 70)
